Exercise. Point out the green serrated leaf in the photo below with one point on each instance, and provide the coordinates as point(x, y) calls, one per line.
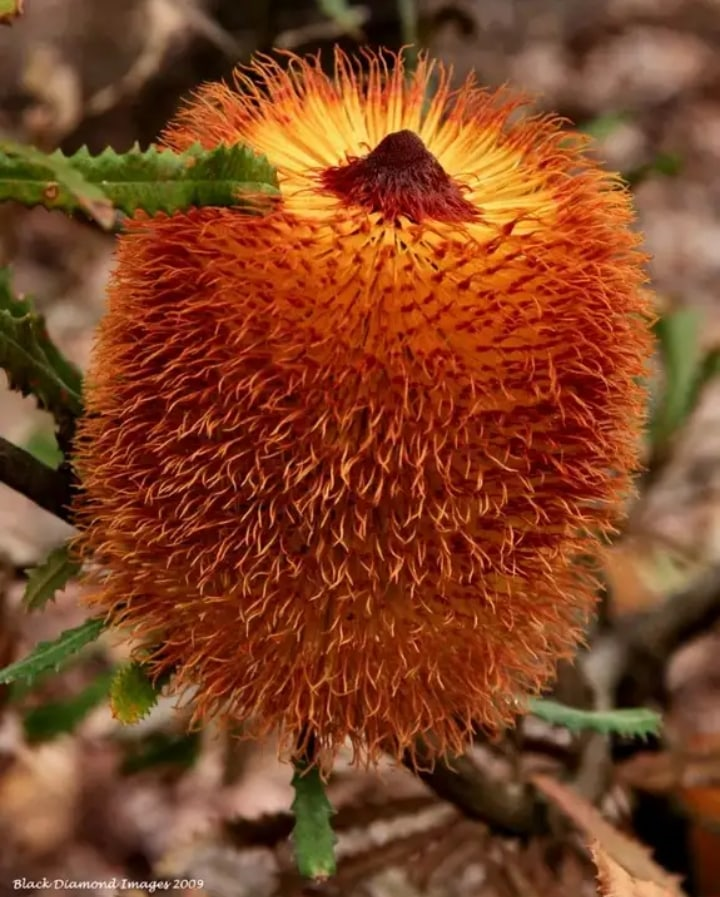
point(313, 836)
point(48, 578)
point(55, 654)
point(132, 694)
point(20, 689)
point(637, 722)
point(25, 170)
point(10, 9)
point(32, 362)
point(58, 717)
point(153, 180)
point(678, 338)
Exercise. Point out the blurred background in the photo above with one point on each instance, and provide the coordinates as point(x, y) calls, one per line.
point(149, 802)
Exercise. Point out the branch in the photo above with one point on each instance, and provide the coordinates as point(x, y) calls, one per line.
point(509, 808)
point(682, 616)
point(626, 664)
point(48, 488)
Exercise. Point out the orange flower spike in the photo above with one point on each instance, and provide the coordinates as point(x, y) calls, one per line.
point(340, 455)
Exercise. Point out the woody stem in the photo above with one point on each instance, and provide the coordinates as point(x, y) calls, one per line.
point(48, 488)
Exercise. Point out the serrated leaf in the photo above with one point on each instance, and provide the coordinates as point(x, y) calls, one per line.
point(637, 722)
point(9, 10)
point(313, 836)
point(132, 694)
point(32, 177)
point(53, 654)
point(153, 180)
point(678, 337)
point(32, 362)
point(48, 578)
point(58, 717)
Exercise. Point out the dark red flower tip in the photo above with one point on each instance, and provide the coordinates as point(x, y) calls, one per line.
point(400, 177)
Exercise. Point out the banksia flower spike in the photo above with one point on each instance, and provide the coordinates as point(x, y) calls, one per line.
point(341, 456)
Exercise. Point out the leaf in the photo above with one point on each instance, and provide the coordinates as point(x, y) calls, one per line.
point(678, 339)
point(48, 578)
point(615, 881)
point(33, 363)
point(635, 722)
point(632, 857)
point(58, 717)
point(9, 10)
point(42, 444)
point(53, 654)
point(58, 181)
point(313, 835)
point(132, 694)
point(154, 180)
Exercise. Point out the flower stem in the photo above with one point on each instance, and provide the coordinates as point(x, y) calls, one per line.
point(313, 834)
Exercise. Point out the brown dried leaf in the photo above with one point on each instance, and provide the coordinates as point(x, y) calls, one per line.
point(615, 881)
point(632, 857)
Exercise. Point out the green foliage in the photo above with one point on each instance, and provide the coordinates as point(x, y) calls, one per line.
point(132, 694)
point(50, 577)
point(59, 717)
point(313, 835)
point(48, 655)
point(32, 177)
point(162, 749)
point(678, 341)
point(154, 180)
point(687, 370)
point(42, 444)
point(33, 364)
point(636, 722)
